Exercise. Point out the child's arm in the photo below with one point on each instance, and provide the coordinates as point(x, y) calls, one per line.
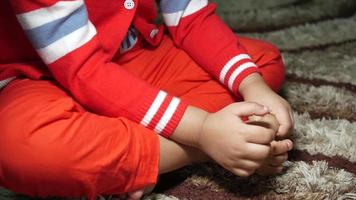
point(197, 29)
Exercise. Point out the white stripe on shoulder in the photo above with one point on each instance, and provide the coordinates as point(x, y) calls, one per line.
point(194, 6)
point(153, 108)
point(172, 19)
point(238, 71)
point(5, 82)
point(231, 63)
point(67, 44)
point(36, 18)
point(167, 115)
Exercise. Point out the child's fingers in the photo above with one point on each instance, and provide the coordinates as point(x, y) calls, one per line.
point(259, 134)
point(247, 164)
point(136, 195)
point(241, 172)
point(256, 152)
point(276, 161)
point(249, 108)
point(281, 147)
point(292, 118)
point(283, 130)
point(285, 121)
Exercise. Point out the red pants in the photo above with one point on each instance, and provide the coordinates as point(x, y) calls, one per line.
point(51, 146)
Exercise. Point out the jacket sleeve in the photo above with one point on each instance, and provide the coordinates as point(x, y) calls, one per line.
point(196, 28)
point(67, 42)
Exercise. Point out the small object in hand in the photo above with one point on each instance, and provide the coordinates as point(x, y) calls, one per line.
point(268, 121)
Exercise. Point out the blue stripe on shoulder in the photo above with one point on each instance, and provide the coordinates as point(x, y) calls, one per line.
point(171, 6)
point(49, 33)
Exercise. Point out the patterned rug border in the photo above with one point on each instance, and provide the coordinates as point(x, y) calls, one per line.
point(320, 82)
point(333, 161)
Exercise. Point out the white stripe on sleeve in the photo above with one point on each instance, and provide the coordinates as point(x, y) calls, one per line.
point(194, 6)
point(67, 44)
point(231, 63)
point(167, 115)
point(39, 17)
point(153, 108)
point(238, 71)
point(172, 19)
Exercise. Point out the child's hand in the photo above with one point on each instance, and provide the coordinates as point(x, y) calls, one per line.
point(279, 107)
point(273, 164)
point(256, 90)
point(239, 147)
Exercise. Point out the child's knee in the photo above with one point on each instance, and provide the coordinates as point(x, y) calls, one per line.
point(257, 47)
point(33, 159)
point(36, 167)
point(274, 75)
point(86, 161)
point(271, 65)
point(268, 47)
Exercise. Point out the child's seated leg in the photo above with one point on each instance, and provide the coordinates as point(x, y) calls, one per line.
point(51, 146)
point(183, 156)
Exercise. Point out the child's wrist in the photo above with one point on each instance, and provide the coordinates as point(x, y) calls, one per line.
point(249, 80)
point(198, 129)
point(201, 132)
point(251, 84)
point(190, 127)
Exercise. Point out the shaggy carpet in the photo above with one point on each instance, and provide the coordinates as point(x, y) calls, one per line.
point(318, 42)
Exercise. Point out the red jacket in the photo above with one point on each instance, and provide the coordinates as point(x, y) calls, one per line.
point(74, 42)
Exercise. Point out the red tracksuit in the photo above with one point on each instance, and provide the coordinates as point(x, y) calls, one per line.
point(94, 132)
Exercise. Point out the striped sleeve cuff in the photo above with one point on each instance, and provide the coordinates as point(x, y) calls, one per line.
point(163, 114)
point(235, 70)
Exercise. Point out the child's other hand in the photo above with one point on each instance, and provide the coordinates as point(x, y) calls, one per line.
point(273, 164)
point(254, 89)
point(239, 147)
point(279, 149)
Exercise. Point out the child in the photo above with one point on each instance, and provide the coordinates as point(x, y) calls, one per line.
point(97, 99)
